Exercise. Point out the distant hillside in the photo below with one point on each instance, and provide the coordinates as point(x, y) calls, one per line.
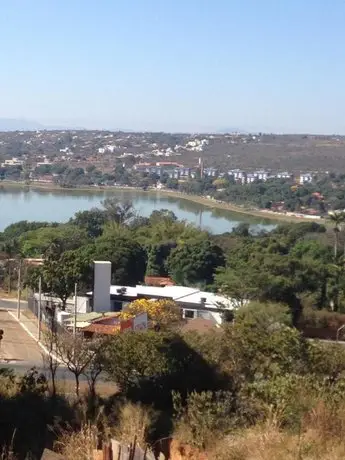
point(14, 124)
point(231, 130)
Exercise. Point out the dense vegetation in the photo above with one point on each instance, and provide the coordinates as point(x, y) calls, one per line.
point(320, 196)
point(294, 264)
point(255, 377)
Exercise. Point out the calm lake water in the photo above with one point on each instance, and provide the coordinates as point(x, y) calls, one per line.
point(59, 205)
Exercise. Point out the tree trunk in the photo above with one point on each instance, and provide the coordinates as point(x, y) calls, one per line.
point(335, 244)
point(76, 376)
point(53, 384)
point(9, 277)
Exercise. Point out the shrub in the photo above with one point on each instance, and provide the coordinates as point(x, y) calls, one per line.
point(134, 420)
point(78, 445)
point(206, 416)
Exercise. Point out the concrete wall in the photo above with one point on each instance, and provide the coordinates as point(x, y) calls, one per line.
point(101, 288)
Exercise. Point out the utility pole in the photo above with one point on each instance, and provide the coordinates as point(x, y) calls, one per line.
point(39, 306)
point(19, 288)
point(75, 310)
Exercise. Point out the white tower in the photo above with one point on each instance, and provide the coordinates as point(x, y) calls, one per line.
point(101, 286)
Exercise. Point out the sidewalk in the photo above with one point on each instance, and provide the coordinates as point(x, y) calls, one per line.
point(17, 345)
point(29, 320)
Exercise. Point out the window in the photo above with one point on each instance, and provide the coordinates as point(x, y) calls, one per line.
point(189, 314)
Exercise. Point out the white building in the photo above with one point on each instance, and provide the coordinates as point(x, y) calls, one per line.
point(261, 175)
point(46, 161)
point(193, 302)
point(283, 175)
point(251, 178)
point(305, 178)
point(12, 162)
point(236, 174)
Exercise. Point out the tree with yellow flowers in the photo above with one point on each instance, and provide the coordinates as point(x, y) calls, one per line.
point(159, 312)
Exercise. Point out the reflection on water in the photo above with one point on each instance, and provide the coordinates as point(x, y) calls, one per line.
point(59, 205)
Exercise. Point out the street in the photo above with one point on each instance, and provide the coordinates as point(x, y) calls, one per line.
point(11, 304)
point(19, 351)
point(17, 345)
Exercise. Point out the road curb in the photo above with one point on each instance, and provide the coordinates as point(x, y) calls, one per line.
point(40, 344)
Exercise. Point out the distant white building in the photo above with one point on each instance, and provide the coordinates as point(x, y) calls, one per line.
point(210, 172)
point(236, 174)
point(251, 178)
point(305, 178)
point(46, 161)
point(12, 162)
point(283, 175)
point(261, 175)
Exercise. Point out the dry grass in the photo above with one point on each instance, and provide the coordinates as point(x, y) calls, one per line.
point(103, 389)
point(134, 420)
point(321, 438)
point(78, 445)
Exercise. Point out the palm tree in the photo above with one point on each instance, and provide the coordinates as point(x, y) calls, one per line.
point(117, 211)
point(337, 218)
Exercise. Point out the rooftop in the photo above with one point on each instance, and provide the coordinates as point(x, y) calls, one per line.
point(183, 294)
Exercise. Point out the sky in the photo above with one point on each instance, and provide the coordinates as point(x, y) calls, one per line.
point(175, 65)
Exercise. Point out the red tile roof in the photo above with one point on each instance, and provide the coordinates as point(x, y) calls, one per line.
point(158, 281)
point(107, 329)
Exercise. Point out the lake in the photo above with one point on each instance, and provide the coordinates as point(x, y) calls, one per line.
point(59, 205)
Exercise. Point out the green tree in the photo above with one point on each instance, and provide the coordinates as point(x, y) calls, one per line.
point(18, 228)
point(128, 257)
point(157, 257)
point(238, 284)
point(120, 212)
point(150, 365)
point(59, 273)
point(337, 218)
point(265, 315)
point(241, 229)
point(63, 237)
point(195, 262)
point(92, 221)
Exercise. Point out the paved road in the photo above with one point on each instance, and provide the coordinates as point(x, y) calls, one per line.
point(11, 304)
point(19, 351)
point(16, 344)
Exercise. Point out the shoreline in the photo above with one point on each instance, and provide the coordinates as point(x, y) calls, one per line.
point(207, 202)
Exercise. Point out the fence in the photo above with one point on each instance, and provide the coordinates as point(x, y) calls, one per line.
point(114, 450)
point(48, 319)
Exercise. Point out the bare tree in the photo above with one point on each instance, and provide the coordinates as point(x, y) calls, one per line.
point(50, 360)
point(76, 353)
point(96, 365)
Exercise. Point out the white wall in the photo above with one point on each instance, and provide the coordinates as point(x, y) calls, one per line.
point(101, 289)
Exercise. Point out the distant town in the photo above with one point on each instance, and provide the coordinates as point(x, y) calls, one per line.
point(211, 165)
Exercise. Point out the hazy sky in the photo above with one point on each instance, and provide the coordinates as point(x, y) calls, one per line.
point(269, 65)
